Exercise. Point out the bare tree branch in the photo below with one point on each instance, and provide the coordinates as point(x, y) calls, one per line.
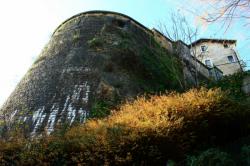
point(228, 10)
point(180, 30)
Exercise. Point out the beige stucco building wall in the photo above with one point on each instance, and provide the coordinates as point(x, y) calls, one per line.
point(218, 55)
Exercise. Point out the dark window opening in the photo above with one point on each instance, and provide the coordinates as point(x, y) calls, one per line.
point(225, 45)
point(208, 63)
point(203, 48)
point(119, 23)
point(231, 59)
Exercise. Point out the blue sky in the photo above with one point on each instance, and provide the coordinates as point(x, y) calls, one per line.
point(26, 26)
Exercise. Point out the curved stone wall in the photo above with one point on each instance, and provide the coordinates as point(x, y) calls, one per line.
point(100, 13)
point(89, 59)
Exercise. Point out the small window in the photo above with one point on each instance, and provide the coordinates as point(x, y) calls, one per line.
point(208, 63)
point(226, 45)
point(231, 59)
point(203, 48)
point(119, 23)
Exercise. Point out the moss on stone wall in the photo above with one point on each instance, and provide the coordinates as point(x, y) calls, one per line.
point(154, 68)
point(95, 42)
point(157, 68)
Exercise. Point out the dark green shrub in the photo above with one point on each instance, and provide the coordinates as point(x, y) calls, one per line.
point(100, 110)
point(245, 155)
point(232, 84)
point(211, 157)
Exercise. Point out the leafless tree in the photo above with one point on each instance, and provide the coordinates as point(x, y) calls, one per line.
point(181, 31)
point(226, 11)
point(178, 28)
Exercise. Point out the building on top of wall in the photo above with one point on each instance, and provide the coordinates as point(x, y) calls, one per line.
point(198, 69)
point(220, 53)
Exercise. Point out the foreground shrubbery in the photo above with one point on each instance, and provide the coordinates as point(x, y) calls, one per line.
point(144, 132)
point(215, 156)
point(211, 157)
point(232, 84)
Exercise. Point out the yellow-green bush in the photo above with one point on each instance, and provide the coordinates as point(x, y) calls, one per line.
point(144, 132)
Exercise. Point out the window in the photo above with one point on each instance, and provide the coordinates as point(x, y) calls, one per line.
point(119, 23)
point(225, 45)
point(231, 59)
point(208, 63)
point(203, 48)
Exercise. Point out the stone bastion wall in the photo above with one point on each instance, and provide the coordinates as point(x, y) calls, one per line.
point(91, 57)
